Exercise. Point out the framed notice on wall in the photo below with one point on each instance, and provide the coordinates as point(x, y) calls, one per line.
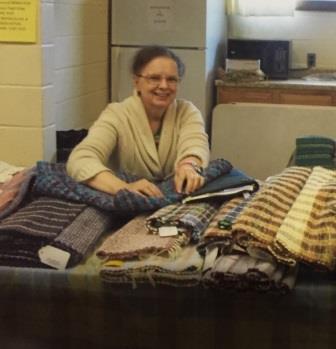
point(18, 20)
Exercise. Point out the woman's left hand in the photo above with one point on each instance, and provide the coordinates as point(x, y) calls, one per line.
point(187, 179)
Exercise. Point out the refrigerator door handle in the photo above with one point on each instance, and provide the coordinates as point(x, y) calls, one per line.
point(117, 72)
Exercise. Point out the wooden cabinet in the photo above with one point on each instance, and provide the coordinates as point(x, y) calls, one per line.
point(251, 95)
point(283, 95)
point(315, 97)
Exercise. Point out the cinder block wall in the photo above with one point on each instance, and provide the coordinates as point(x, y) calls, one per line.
point(81, 61)
point(58, 83)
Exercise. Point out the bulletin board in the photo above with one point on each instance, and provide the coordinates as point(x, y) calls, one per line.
point(18, 21)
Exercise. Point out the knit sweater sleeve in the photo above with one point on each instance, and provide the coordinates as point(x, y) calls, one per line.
point(192, 140)
point(91, 156)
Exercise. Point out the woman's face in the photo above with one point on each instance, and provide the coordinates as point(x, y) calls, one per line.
point(157, 84)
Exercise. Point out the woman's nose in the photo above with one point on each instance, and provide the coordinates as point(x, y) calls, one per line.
point(163, 82)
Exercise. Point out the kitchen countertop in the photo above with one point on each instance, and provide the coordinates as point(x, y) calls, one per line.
point(287, 84)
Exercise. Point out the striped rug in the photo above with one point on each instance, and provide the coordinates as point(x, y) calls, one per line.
point(293, 217)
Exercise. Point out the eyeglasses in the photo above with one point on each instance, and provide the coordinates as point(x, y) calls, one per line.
point(155, 80)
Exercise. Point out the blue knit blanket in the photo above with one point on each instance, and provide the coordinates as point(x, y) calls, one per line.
point(52, 180)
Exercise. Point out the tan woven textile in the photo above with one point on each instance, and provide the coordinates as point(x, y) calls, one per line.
point(133, 241)
point(292, 217)
point(183, 271)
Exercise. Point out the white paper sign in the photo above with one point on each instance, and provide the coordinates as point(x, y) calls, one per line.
point(160, 15)
point(168, 231)
point(54, 257)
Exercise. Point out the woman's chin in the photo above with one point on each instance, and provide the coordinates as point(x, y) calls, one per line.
point(162, 104)
point(163, 101)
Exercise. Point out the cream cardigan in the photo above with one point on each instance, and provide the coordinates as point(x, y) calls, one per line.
point(121, 139)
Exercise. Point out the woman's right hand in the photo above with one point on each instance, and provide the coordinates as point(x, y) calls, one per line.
point(144, 188)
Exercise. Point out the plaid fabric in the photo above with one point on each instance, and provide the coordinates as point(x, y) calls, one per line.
point(292, 217)
point(133, 240)
point(215, 235)
point(52, 180)
point(241, 272)
point(227, 219)
point(191, 219)
point(184, 271)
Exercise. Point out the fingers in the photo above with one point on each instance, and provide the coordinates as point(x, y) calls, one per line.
point(145, 188)
point(179, 182)
point(193, 183)
point(151, 190)
point(188, 180)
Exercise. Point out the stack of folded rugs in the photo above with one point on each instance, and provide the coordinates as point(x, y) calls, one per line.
point(315, 151)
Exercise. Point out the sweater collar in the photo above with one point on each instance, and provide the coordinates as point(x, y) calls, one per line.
point(158, 156)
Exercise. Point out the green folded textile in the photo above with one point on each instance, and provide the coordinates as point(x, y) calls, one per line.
point(315, 149)
point(313, 157)
point(315, 140)
point(308, 163)
point(311, 160)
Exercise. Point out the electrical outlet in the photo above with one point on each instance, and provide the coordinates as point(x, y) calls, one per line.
point(311, 60)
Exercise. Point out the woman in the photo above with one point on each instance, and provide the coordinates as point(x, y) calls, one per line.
point(150, 134)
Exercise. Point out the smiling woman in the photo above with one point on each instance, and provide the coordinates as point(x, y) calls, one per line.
point(316, 5)
point(151, 134)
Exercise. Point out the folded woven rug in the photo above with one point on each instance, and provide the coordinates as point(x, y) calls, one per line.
point(315, 151)
point(308, 232)
point(189, 219)
point(269, 207)
point(52, 180)
point(292, 217)
point(241, 272)
point(72, 227)
point(80, 237)
point(315, 140)
point(134, 241)
point(184, 271)
point(33, 226)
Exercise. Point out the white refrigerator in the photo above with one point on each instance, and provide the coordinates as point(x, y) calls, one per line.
point(196, 30)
